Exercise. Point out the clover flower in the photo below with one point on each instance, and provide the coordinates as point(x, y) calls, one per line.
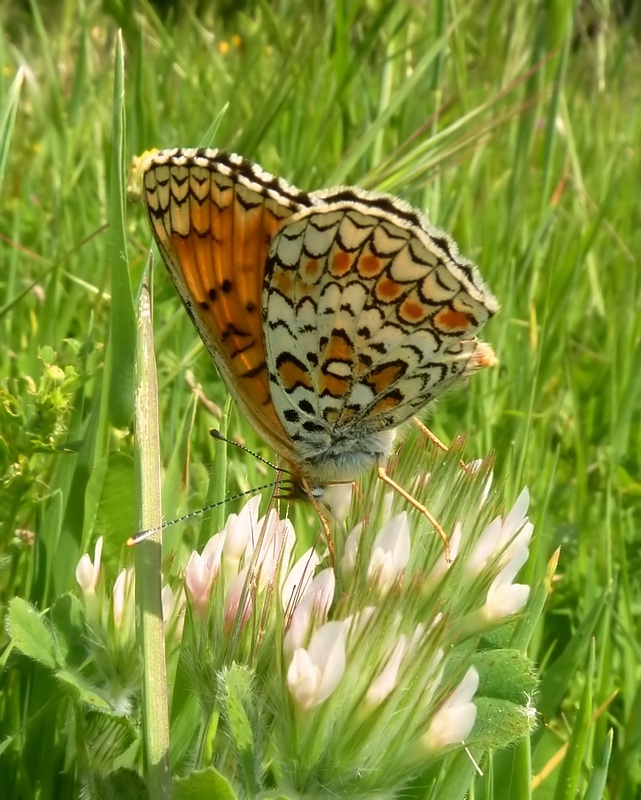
point(353, 673)
point(88, 571)
point(505, 597)
point(121, 593)
point(315, 672)
point(454, 720)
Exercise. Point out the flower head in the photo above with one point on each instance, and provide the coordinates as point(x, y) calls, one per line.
point(309, 609)
point(505, 597)
point(454, 720)
point(386, 681)
point(315, 672)
point(502, 537)
point(122, 593)
point(240, 591)
point(199, 576)
point(239, 530)
point(351, 648)
point(390, 552)
point(88, 571)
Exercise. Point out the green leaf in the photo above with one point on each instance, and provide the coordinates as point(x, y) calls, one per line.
point(506, 675)
point(116, 511)
point(148, 560)
point(68, 619)
point(456, 779)
point(218, 479)
point(82, 689)
point(500, 723)
point(30, 634)
point(174, 476)
point(52, 569)
point(186, 716)
point(203, 785)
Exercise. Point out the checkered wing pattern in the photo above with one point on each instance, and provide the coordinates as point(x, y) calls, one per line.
point(370, 313)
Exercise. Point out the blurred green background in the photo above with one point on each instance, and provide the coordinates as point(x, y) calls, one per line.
point(517, 125)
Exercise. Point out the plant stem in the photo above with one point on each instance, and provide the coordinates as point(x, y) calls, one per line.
point(148, 561)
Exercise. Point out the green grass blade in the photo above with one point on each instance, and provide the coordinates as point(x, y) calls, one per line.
point(597, 786)
point(572, 766)
point(122, 334)
point(8, 113)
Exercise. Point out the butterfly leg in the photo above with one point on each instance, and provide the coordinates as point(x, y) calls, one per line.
point(437, 442)
point(382, 474)
point(321, 516)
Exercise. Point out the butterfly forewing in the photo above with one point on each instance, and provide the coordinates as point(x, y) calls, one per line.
point(213, 216)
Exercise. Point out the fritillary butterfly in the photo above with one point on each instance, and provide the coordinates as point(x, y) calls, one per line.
point(332, 316)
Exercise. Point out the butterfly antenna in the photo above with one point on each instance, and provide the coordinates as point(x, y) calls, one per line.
point(216, 434)
point(142, 535)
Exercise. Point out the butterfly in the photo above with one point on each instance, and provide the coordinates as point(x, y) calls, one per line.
point(333, 317)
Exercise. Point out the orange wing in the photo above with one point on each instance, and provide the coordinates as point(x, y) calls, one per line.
point(213, 216)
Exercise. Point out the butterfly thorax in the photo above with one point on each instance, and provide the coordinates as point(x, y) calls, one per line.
point(345, 459)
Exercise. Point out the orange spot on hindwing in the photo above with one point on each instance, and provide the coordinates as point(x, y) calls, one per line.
point(387, 403)
point(341, 264)
point(333, 385)
point(451, 320)
point(369, 266)
point(383, 377)
point(388, 290)
point(292, 373)
point(283, 281)
point(311, 270)
point(339, 347)
point(412, 311)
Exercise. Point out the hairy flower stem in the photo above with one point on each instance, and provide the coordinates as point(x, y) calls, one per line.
point(149, 560)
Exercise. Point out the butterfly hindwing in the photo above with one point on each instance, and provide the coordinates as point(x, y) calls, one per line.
point(370, 314)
